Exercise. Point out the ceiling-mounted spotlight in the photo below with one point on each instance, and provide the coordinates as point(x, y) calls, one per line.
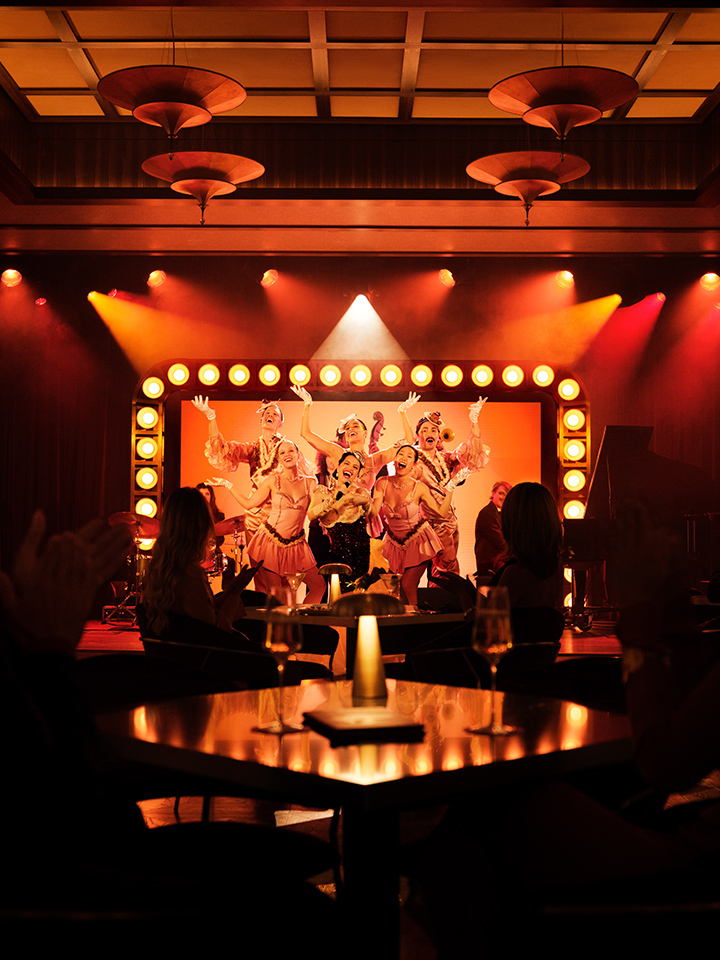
point(156, 278)
point(564, 279)
point(269, 278)
point(710, 281)
point(446, 278)
point(11, 277)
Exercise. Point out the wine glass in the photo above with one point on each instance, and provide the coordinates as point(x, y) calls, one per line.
point(294, 580)
point(493, 638)
point(392, 583)
point(283, 636)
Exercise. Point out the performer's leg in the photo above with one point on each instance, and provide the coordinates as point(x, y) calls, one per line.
point(410, 580)
point(446, 560)
point(316, 586)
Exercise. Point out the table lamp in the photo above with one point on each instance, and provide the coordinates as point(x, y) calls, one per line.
point(335, 571)
point(369, 673)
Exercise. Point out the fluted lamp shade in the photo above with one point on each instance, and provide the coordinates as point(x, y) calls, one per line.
point(172, 97)
point(203, 174)
point(527, 174)
point(563, 97)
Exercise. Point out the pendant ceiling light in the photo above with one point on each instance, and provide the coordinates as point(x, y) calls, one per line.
point(527, 174)
point(563, 97)
point(203, 175)
point(172, 97)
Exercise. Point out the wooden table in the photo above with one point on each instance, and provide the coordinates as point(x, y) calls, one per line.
point(214, 736)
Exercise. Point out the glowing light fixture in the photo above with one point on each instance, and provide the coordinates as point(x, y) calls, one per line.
point(574, 510)
point(574, 480)
point(157, 278)
point(146, 478)
point(565, 279)
point(147, 544)
point(661, 297)
point(153, 387)
point(330, 375)
point(446, 277)
point(208, 374)
point(178, 373)
point(269, 375)
point(543, 375)
point(40, 302)
point(361, 375)
point(391, 375)
point(147, 448)
point(569, 389)
point(11, 278)
point(452, 375)
point(146, 506)
point(482, 375)
point(299, 374)
point(421, 375)
point(574, 450)
point(147, 417)
point(710, 281)
point(512, 375)
point(574, 419)
point(269, 278)
point(239, 374)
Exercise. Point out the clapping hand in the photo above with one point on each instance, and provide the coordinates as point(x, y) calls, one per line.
point(202, 405)
point(476, 407)
point(303, 394)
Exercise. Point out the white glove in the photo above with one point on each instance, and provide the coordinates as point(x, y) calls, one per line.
point(460, 477)
point(303, 394)
point(409, 403)
point(475, 409)
point(202, 406)
point(219, 482)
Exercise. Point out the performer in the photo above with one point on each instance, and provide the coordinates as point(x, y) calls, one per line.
point(342, 507)
point(410, 541)
point(491, 550)
point(260, 455)
point(436, 467)
point(280, 542)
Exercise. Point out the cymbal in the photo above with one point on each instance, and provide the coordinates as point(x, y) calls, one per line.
point(231, 525)
point(148, 527)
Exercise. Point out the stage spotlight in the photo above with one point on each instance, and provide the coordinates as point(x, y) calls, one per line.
point(208, 374)
point(482, 375)
point(568, 389)
point(574, 450)
point(40, 302)
point(153, 387)
point(146, 506)
point(146, 478)
point(543, 375)
point(269, 375)
point(239, 374)
point(574, 510)
point(565, 279)
point(391, 375)
point(111, 293)
point(146, 448)
point(300, 374)
point(513, 376)
point(330, 375)
point(361, 375)
point(421, 375)
point(446, 278)
point(574, 480)
point(269, 278)
point(147, 417)
point(178, 373)
point(661, 297)
point(574, 419)
point(11, 278)
point(451, 375)
point(157, 278)
point(710, 281)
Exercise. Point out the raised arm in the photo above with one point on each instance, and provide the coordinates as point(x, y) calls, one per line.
point(378, 497)
point(386, 455)
point(260, 495)
point(202, 405)
point(330, 449)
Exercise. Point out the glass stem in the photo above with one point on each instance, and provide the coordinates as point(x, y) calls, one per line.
point(281, 677)
point(493, 678)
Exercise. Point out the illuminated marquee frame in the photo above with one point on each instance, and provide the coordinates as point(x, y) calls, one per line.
point(225, 379)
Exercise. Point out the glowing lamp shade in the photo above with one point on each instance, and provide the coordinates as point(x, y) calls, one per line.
point(330, 375)
point(543, 375)
point(482, 375)
point(11, 278)
point(153, 387)
point(147, 417)
point(146, 544)
point(146, 478)
point(564, 279)
point(361, 375)
point(178, 373)
point(157, 278)
point(513, 375)
point(146, 507)
point(574, 510)
point(208, 374)
point(147, 448)
point(574, 450)
point(446, 278)
point(299, 374)
point(239, 374)
point(574, 419)
point(451, 375)
point(421, 375)
point(391, 375)
point(710, 281)
point(567, 572)
point(569, 389)
point(269, 375)
point(574, 480)
point(269, 278)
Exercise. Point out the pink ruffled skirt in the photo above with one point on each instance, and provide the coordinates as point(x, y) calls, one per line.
point(279, 558)
point(421, 548)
